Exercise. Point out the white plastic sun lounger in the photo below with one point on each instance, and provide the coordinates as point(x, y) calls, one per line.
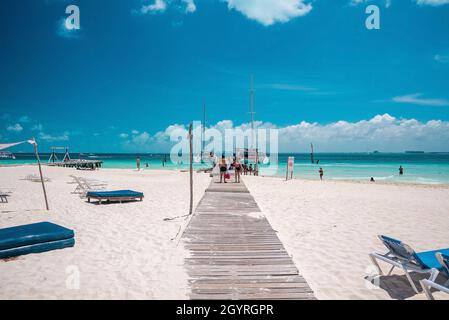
point(83, 186)
point(427, 284)
point(402, 256)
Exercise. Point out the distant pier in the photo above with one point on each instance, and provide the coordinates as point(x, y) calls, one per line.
point(79, 164)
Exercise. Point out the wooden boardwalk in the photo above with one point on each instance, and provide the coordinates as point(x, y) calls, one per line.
point(234, 251)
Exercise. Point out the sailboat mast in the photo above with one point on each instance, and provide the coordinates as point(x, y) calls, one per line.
point(203, 130)
point(251, 110)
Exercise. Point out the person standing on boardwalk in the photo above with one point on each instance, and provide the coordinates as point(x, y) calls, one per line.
point(223, 168)
point(401, 170)
point(321, 171)
point(138, 163)
point(238, 170)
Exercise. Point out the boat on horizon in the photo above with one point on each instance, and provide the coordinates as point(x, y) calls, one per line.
point(7, 155)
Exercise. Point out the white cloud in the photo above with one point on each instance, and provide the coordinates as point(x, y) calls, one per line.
point(357, 2)
point(15, 128)
point(135, 131)
point(287, 87)
point(52, 138)
point(37, 127)
point(63, 32)
point(268, 12)
point(382, 132)
point(415, 99)
point(190, 6)
point(123, 135)
point(441, 58)
point(24, 119)
point(157, 6)
point(434, 3)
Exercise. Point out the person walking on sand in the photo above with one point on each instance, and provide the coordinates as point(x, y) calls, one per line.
point(321, 171)
point(401, 170)
point(238, 170)
point(223, 169)
point(138, 163)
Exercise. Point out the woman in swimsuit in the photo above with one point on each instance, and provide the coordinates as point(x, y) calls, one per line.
point(238, 170)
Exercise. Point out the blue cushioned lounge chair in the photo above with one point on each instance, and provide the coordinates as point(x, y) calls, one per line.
point(34, 238)
point(427, 284)
point(119, 195)
point(403, 256)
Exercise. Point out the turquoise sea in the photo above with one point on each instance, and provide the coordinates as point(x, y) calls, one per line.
point(427, 168)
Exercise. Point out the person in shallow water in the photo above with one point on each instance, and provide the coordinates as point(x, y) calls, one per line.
point(138, 163)
point(401, 170)
point(372, 179)
point(321, 171)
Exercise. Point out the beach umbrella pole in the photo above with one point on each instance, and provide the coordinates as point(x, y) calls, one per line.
point(40, 173)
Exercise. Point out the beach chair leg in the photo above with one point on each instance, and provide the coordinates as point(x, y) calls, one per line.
point(433, 275)
point(88, 199)
point(409, 278)
point(426, 290)
point(374, 260)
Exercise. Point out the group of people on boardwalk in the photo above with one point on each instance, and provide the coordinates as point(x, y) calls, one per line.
point(238, 168)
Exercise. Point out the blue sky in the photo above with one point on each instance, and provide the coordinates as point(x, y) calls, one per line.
point(136, 67)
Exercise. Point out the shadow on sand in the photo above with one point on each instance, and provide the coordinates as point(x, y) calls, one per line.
point(398, 287)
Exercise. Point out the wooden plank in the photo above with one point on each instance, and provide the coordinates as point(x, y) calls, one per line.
point(235, 253)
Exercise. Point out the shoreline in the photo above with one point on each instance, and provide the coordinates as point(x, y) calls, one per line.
point(179, 170)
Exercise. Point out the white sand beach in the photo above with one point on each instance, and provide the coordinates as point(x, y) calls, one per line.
point(330, 228)
point(125, 251)
point(122, 251)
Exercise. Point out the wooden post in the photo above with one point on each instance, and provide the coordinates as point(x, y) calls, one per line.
point(286, 172)
point(191, 169)
point(40, 172)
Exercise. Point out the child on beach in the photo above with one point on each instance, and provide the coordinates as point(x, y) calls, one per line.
point(321, 171)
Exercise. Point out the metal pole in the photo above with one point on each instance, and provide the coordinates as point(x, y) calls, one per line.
point(191, 168)
point(251, 110)
point(203, 131)
point(40, 172)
